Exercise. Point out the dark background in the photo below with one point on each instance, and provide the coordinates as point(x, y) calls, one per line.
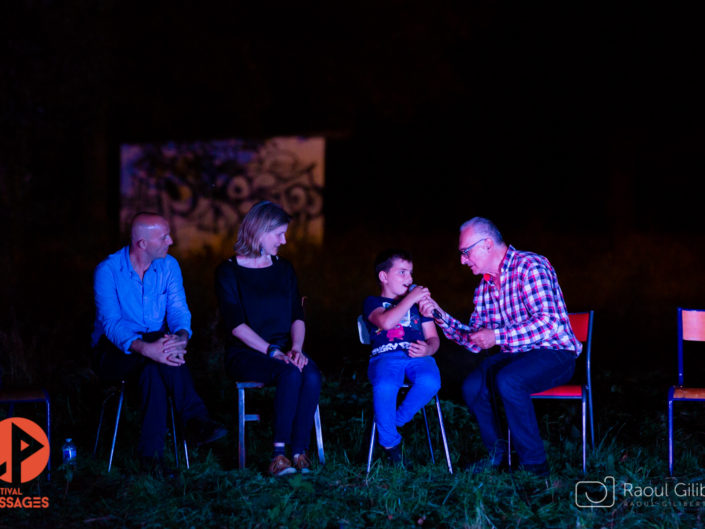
point(577, 127)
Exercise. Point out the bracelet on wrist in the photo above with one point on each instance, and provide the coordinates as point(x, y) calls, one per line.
point(272, 350)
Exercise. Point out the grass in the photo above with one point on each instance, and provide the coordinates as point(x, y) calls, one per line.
point(213, 493)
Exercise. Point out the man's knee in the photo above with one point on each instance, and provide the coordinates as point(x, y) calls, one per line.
point(472, 385)
point(510, 385)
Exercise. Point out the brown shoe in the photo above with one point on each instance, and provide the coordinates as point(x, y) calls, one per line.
point(281, 466)
point(302, 463)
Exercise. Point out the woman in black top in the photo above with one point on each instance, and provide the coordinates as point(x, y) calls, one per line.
point(261, 308)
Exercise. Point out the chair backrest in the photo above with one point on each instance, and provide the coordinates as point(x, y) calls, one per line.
point(691, 328)
point(581, 323)
point(362, 331)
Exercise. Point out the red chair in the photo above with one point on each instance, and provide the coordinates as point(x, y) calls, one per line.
point(691, 328)
point(581, 323)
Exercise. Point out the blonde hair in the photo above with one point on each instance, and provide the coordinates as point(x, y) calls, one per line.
point(262, 218)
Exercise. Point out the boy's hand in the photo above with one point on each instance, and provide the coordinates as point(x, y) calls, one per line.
point(418, 294)
point(419, 349)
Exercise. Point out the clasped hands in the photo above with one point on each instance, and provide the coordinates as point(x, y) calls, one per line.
point(297, 358)
point(483, 338)
point(169, 349)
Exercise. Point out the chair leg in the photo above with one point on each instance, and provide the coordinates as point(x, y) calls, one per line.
point(117, 422)
point(584, 406)
point(428, 435)
point(670, 437)
point(319, 435)
point(509, 447)
point(48, 404)
point(443, 435)
point(173, 431)
point(100, 424)
point(592, 422)
point(372, 444)
point(241, 427)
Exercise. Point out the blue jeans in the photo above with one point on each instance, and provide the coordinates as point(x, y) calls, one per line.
point(513, 378)
point(387, 372)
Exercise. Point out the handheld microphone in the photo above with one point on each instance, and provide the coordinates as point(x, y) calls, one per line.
point(412, 286)
point(437, 314)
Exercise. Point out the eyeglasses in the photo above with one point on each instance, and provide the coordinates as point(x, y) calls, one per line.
point(466, 251)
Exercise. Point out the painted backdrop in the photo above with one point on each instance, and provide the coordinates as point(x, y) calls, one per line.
point(204, 188)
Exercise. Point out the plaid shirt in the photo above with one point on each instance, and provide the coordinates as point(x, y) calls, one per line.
point(526, 310)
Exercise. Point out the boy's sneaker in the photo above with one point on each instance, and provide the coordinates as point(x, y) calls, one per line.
point(302, 463)
point(394, 455)
point(280, 466)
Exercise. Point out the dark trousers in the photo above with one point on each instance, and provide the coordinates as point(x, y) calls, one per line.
point(512, 378)
point(156, 382)
point(296, 395)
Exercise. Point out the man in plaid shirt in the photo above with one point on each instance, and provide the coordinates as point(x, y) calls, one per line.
point(519, 307)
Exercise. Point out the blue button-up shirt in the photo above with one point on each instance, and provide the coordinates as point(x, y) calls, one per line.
point(127, 307)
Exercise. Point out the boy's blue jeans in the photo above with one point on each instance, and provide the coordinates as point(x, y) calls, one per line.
point(387, 373)
point(513, 378)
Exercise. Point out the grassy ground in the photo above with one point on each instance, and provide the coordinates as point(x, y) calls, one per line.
point(213, 493)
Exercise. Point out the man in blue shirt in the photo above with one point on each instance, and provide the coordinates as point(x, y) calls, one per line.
point(142, 329)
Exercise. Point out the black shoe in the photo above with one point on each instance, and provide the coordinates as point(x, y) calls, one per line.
point(155, 467)
point(394, 455)
point(203, 430)
point(541, 470)
point(493, 465)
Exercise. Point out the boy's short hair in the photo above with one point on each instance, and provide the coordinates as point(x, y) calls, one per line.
point(385, 259)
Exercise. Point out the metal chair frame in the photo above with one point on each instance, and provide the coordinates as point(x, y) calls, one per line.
point(581, 323)
point(243, 417)
point(365, 340)
point(691, 328)
point(118, 391)
point(12, 397)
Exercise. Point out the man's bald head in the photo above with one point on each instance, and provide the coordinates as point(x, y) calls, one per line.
point(150, 237)
point(145, 223)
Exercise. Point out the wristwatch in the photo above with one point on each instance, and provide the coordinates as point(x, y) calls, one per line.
point(272, 349)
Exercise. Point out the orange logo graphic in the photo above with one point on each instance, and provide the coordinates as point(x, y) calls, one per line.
point(24, 450)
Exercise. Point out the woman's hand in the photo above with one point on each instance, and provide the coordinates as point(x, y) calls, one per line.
point(282, 356)
point(297, 358)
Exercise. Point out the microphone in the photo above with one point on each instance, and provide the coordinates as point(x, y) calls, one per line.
point(436, 313)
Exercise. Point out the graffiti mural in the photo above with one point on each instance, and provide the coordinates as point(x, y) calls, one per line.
point(204, 188)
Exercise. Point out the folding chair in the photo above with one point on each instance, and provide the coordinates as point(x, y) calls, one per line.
point(581, 323)
point(118, 391)
point(365, 340)
point(26, 396)
point(243, 417)
point(691, 328)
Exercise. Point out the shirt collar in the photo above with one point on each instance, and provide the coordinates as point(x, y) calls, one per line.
point(503, 265)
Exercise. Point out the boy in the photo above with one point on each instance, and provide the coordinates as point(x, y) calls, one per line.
point(403, 343)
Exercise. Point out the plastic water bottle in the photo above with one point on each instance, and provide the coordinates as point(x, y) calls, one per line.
point(68, 452)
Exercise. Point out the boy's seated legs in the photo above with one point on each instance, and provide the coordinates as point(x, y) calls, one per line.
point(386, 373)
point(425, 381)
